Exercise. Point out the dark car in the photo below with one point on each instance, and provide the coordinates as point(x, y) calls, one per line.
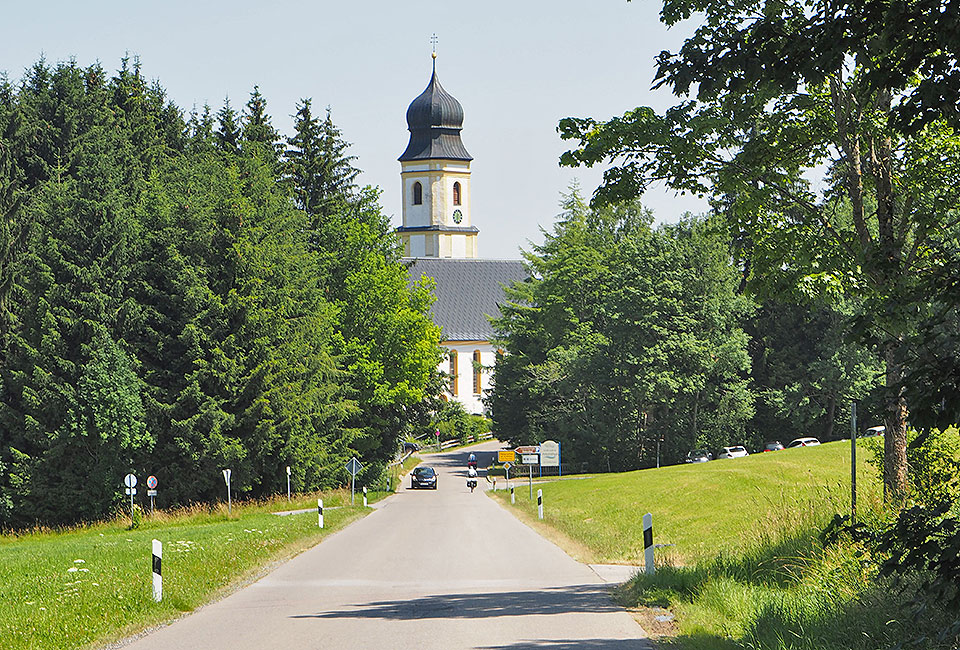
point(776, 445)
point(410, 446)
point(472, 461)
point(699, 456)
point(423, 477)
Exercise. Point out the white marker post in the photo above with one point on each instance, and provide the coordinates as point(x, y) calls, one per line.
point(648, 544)
point(157, 579)
point(320, 512)
point(513, 497)
point(539, 504)
point(226, 479)
point(288, 483)
point(364, 496)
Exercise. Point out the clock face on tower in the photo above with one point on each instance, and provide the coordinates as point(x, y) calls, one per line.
point(457, 216)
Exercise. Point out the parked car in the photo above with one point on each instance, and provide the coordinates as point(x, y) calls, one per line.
point(803, 442)
point(737, 451)
point(699, 456)
point(776, 445)
point(874, 431)
point(410, 446)
point(423, 477)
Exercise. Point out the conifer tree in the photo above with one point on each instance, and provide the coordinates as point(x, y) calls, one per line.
point(228, 129)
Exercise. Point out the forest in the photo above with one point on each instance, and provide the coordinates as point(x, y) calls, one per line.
point(183, 292)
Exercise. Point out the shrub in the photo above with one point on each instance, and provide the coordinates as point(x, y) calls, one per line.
point(934, 464)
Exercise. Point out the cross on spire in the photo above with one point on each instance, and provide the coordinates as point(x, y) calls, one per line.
point(433, 41)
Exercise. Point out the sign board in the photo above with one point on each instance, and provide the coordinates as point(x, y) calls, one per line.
point(506, 456)
point(507, 466)
point(549, 454)
point(226, 477)
point(288, 470)
point(130, 481)
point(151, 482)
point(151, 493)
point(529, 449)
point(130, 491)
point(530, 459)
point(353, 466)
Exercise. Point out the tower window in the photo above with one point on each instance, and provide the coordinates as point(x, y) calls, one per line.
point(453, 372)
point(476, 372)
point(456, 193)
point(417, 193)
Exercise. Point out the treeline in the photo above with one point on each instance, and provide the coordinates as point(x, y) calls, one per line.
point(182, 293)
point(630, 342)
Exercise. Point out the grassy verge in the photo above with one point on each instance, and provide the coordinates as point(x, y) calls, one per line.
point(749, 569)
point(92, 585)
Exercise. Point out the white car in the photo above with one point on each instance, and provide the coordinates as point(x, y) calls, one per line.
point(803, 442)
point(733, 452)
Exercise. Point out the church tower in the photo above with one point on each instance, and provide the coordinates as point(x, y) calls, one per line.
point(435, 175)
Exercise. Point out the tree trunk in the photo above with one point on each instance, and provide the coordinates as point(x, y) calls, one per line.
point(831, 417)
point(895, 436)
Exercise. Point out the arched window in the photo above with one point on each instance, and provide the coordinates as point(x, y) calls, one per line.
point(456, 193)
point(476, 372)
point(417, 193)
point(453, 372)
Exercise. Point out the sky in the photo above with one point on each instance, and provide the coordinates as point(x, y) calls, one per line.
point(517, 67)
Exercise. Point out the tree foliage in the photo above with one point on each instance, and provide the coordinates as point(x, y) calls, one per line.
point(773, 92)
point(171, 306)
point(622, 336)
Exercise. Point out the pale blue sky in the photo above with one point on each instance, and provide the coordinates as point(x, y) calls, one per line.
point(517, 67)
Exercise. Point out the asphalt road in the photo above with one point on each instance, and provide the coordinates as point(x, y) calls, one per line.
point(428, 569)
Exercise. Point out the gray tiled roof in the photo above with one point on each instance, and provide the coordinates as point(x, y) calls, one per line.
point(467, 291)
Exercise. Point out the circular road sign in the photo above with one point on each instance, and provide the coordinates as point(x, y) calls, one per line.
point(151, 482)
point(130, 480)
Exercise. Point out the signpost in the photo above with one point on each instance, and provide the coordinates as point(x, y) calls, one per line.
point(151, 490)
point(506, 456)
point(507, 467)
point(131, 482)
point(226, 479)
point(353, 466)
point(550, 455)
point(437, 434)
point(530, 460)
point(288, 483)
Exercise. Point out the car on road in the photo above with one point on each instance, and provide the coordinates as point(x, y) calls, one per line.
point(803, 442)
point(874, 431)
point(776, 445)
point(699, 456)
point(410, 446)
point(737, 451)
point(423, 477)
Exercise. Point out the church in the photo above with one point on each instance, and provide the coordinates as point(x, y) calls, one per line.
point(440, 241)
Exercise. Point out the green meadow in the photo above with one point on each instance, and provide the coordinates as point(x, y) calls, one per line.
point(92, 585)
point(749, 567)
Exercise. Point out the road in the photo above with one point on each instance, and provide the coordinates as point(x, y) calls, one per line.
point(428, 569)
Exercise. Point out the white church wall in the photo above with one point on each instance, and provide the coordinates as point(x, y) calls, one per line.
point(458, 246)
point(472, 401)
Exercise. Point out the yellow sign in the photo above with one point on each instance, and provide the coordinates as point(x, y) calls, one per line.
point(506, 456)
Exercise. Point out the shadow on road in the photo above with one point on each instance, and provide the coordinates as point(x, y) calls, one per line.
point(574, 644)
point(555, 600)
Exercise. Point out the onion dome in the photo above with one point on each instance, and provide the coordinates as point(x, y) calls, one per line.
point(435, 119)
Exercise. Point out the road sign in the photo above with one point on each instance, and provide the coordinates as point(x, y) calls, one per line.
point(530, 459)
point(506, 456)
point(354, 466)
point(288, 470)
point(130, 481)
point(528, 449)
point(226, 477)
point(549, 453)
point(507, 466)
point(130, 491)
point(151, 493)
point(151, 482)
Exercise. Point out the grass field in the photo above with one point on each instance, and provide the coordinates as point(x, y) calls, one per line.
point(705, 509)
point(93, 585)
point(749, 569)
